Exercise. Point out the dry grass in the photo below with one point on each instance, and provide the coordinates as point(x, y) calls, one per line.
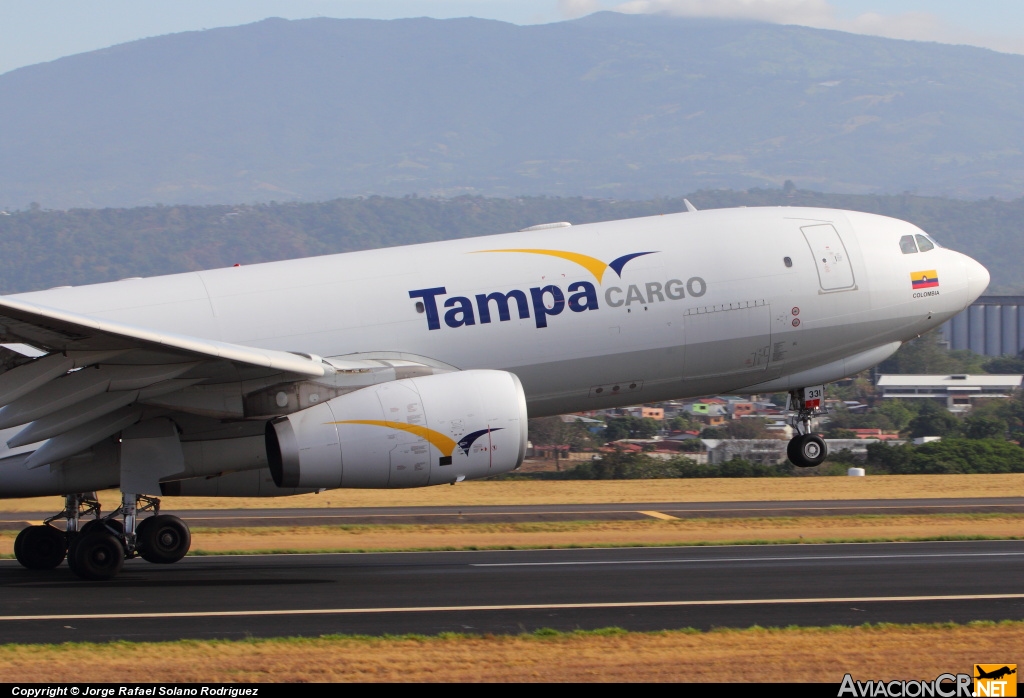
point(791, 654)
point(470, 536)
point(607, 533)
point(602, 492)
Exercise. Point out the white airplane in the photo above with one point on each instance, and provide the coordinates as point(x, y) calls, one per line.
point(418, 365)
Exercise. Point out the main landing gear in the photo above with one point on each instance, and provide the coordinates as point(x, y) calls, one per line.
point(806, 450)
point(97, 549)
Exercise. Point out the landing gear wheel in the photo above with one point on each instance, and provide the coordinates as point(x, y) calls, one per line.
point(40, 547)
point(806, 450)
point(96, 556)
point(163, 539)
point(73, 538)
point(141, 526)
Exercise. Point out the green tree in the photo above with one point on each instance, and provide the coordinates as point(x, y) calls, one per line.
point(1004, 365)
point(683, 423)
point(982, 426)
point(948, 456)
point(933, 420)
point(616, 428)
point(859, 388)
point(747, 428)
point(898, 413)
point(926, 355)
point(554, 431)
point(629, 427)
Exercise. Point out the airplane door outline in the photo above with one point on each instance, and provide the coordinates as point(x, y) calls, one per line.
point(727, 338)
point(835, 272)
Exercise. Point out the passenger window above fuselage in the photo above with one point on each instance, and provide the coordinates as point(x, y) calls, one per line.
point(907, 244)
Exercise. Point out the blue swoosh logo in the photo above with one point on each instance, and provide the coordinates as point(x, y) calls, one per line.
point(617, 264)
point(467, 441)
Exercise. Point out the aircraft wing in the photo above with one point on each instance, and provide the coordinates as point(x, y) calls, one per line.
point(63, 331)
point(131, 370)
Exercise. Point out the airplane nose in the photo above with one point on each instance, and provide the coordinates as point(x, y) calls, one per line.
point(977, 279)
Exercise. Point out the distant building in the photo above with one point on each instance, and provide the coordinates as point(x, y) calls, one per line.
point(645, 412)
point(742, 409)
point(957, 392)
point(710, 413)
point(782, 428)
point(876, 434)
point(992, 325)
point(759, 451)
point(594, 426)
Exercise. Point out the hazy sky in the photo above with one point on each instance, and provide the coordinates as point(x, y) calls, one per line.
point(32, 31)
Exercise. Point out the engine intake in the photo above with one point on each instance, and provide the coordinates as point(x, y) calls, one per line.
point(413, 432)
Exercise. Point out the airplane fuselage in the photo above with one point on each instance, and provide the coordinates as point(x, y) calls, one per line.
point(363, 369)
point(588, 316)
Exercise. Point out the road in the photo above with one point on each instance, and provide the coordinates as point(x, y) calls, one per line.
point(567, 512)
point(516, 591)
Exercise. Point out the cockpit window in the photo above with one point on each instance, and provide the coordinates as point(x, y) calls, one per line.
point(907, 244)
point(924, 244)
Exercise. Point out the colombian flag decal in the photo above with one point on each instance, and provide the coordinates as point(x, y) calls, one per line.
point(924, 279)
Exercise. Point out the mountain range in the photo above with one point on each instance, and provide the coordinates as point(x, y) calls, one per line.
point(606, 106)
point(43, 248)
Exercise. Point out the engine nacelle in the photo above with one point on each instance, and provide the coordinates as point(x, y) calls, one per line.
point(414, 432)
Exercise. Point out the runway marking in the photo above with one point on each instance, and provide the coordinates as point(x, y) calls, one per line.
point(659, 515)
point(737, 559)
point(508, 607)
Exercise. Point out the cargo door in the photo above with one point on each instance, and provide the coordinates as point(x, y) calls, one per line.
point(727, 338)
point(835, 273)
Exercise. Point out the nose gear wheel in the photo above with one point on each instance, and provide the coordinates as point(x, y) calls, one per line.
point(806, 450)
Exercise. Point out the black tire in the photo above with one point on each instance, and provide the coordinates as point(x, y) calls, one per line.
point(73, 538)
point(163, 539)
point(40, 547)
point(806, 450)
point(97, 556)
point(17, 544)
point(141, 525)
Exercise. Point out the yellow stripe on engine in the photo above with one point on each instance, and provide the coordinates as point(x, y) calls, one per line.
point(441, 442)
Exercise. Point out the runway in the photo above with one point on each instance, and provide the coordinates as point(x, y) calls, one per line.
point(516, 591)
point(566, 512)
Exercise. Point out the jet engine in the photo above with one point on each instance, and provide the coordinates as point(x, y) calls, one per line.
point(413, 432)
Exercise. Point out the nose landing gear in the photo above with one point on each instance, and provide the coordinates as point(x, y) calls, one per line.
point(806, 450)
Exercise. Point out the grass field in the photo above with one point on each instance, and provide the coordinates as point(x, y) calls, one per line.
point(609, 533)
point(476, 536)
point(510, 492)
point(771, 655)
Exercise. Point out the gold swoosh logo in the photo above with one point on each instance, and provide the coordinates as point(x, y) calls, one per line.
point(593, 265)
point(441, 442)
